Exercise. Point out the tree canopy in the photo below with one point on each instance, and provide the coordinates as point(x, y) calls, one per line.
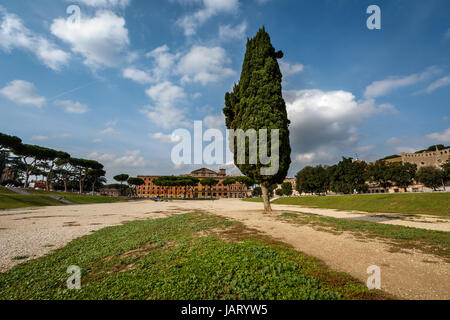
point(121, 178)
point(256, 102)
point(431, 177)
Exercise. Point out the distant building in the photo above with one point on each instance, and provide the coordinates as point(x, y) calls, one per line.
point(236, 190)
point(434, 158)
point(110, 192)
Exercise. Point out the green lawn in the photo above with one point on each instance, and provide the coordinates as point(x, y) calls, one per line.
point(3, 190)
point(398, 237)
point(9, 200)
point(189, 256)
point(13, 201)
point(412, 203)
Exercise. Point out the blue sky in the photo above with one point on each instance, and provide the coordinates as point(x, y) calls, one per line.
point(115, 85)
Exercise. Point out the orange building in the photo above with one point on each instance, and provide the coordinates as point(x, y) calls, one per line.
point(236, 190)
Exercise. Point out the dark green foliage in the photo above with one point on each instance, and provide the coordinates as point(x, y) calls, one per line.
point(9, 142)
point(96, 177)
point(312, 180)
point(257, 103)
point(257, 192)
point(121, 178)
point(228, 181)
point(446, 171)
point(82, 166)
point(381, 173)
point(286, 188)
point(391, 157)
point(348, 176)
point(403, 174)
point(431, 177)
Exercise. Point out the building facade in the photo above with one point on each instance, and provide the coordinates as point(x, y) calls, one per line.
point(428, 158)
point(434, 158)
point(236, 190)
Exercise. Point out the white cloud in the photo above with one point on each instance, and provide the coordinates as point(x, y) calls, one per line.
point(164, 138)
point(440, 136)
point(325, 119)
point(210, 8)
point(228, 32)
point(97, 140)
point(104, 3)
point(22, 92)
point(163, 62)
point(387, 108)
point(131, 159)
point(301, 160)
point(214, 122)
point(73, 106)
point(204, 65)
point(393, 140)
point(366, 148)
point(111, 123)
point(39, 138)
point(164, 112)
point(101, 39)
point(442, 82)
point(447, 34)
point(14, 35)
point(108, 131)
point(137, 75)
point(288, 69)
point(386, 86)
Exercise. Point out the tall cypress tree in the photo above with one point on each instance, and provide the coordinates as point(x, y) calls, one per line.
point(257, 103)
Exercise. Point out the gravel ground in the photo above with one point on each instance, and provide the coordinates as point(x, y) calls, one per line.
point(35, 232)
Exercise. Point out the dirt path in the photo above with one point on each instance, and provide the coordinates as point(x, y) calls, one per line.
point(411, 275)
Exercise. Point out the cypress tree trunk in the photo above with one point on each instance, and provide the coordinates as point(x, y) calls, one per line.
point(266, 199)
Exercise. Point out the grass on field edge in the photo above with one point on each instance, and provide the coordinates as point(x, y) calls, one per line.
point(39, 198)
point(189, 256)
point(397, 237)
point(437, 204)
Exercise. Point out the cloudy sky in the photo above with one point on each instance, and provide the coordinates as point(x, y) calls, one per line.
point(114, 84)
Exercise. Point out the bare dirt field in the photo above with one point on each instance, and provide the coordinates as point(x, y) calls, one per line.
point(31, 233)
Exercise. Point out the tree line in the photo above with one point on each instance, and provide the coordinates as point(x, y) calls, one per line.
point(187, 182)
point(56, 167)
point(350, 176)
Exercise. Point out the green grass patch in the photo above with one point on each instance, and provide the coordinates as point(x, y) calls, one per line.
point(4, 190)
point(190, 256)
point(39, 198)
point(437, 204)
point(399, 237)
point(13, 201)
